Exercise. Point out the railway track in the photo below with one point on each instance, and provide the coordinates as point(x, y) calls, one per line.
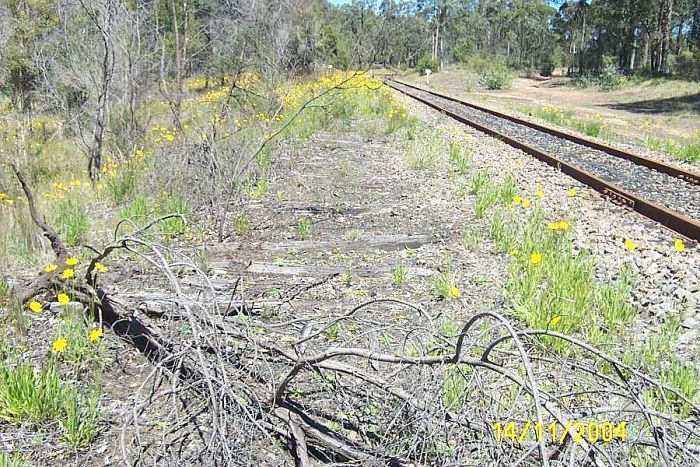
point(664, 193)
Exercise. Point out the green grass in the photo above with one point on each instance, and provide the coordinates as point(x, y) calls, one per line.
point(568, 119)
point(80, 418)
point(172, 203)
point(240, 225)
point(478, 181)
point(424, 153)
point(460, 157)
point(14, 460)
point(688, 150)
point(454, 386)
point(502, 231)
point(489, 193)
point(563, 284)
point(29, 395)
point(443, 283)
point(71, 220)
point(399, 274)
point(304, 228)
point(470, 237)
point(122, 185)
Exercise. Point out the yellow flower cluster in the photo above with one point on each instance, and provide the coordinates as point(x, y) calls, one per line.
point(163, 134)
point(299, 93)
point(6, 199)
point(61, 344)
point(61, 188)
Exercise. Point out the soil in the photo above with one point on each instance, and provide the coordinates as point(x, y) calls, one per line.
point(672, 108)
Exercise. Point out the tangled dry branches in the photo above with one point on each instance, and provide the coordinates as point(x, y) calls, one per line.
point(385, 383)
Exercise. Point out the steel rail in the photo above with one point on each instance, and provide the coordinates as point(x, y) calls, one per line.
point(680, 223)
point(690, 177)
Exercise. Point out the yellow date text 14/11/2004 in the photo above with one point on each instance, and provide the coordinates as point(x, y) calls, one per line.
point(591, 432)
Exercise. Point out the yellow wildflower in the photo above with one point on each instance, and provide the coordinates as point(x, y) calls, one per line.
point(9, 201)
point(539, 194)
point(63, 299)
point(454, 291)
point(75, 183)
point(71, 261)
point(553, 226)
point(535, 258)
point(169, 137)
point(68, 274)
point(629, 244)
point(517, 199)
point(95, 334)
point(100, 267)
point(35, 306)
point(50, 268)
point(514, 252)
point(554, 321)
point(59, 345)
point(571, 193)
point(526, 203)
point(563, 225)
point(680, 246)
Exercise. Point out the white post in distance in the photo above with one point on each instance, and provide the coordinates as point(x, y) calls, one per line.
point(428, 71)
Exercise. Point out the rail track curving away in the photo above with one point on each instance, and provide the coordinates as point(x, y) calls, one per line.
point(662, 192)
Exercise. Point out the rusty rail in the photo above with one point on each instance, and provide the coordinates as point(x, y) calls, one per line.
point(690, 177)
point(680, 223)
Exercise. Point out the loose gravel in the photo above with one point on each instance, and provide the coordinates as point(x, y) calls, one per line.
point(667, 281)
point(661, 188)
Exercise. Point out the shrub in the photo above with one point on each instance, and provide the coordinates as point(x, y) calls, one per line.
point(547, 66)
point(495, 77)
point(688, 65)
point(610, 79)
point(426, 62)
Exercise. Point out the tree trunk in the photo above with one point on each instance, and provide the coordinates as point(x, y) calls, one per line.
point(666, 29)
point(635, 45)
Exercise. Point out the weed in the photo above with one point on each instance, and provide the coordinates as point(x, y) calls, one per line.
point(260, 188)
point(424, 153)
point(304, 228)
point(240, 225)
point(137, 210)
point(688, 151)
point(444, 284)
point(121, 185)
point(71, 220)
point(4, 291)
point(495, 77)
point(346, 279)
point(454, 387)
point(79, 422)
point(203, 260)
point(14, 461)
point(333, 331)
point(478, 181)
point(460, 156)
point(471, 237)
point(485, 199)
point(29, 396)
point(354, 234)
point(399, 274)
point(502, 231)
point(173, 204)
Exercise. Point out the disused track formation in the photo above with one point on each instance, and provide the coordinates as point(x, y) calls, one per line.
point(666, 194)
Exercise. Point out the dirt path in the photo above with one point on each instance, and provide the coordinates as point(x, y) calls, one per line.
point(669, 110)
